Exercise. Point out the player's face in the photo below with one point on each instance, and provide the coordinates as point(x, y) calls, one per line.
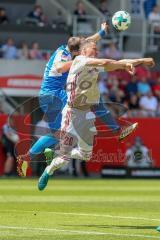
point(91, 50)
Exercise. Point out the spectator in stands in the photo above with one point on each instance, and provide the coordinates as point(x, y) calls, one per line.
point(148, 6)
point(3, 16)
point(138, 155)
point(131, 88)
point(34, 52)
point(141, 72)
point(143, 86)
point(133, 105)
point(37, 17)
point(23, 51)
point(9, 50)
point(156, 88)
point(158, 109)
point(133, 102)
point(103, 8)
point(116, 94)
point(9, 139)
point(80, 11)
point(46, 54)
point(154, 18)
point(112, 52)
point(148, 104)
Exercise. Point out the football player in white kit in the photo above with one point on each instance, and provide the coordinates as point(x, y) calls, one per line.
point(77, 128)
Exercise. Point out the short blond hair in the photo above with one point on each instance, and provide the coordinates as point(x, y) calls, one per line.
point(86, 43)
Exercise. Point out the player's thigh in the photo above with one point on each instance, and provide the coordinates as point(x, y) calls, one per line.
point(85, 128)
point(51, 101)
point(52, 106)
point(68, 138)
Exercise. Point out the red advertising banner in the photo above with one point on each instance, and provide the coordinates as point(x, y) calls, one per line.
point(20, 85)
point(20, 81)
point(111, 152)
point(21, 77)
point(107, 151)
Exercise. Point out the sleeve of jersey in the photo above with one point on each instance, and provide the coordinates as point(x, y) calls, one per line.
point(81, 62)
point(60, 57)
point(65, 57)
point(99, 68)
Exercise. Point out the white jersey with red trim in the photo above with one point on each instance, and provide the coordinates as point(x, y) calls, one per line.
point(82, 87)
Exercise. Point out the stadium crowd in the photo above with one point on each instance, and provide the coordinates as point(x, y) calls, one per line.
point(9, 50)
point(139, 93)
point(38, 17)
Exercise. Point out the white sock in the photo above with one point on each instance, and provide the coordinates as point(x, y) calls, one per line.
point(55, 164)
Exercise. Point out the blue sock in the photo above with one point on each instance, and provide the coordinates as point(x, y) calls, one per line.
point(42, 143)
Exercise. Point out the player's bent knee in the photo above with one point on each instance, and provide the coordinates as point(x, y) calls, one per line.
point(81, 154)
point(86, 155)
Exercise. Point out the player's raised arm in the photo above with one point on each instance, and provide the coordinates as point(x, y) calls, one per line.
point(111, 65)
point(145, 61)
point(101, 34)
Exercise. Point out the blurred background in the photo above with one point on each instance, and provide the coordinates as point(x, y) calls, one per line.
point(30, 31)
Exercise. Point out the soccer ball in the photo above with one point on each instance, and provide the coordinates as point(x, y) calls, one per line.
point(121, 20)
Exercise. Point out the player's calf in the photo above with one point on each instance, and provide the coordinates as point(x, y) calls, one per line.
point(55, 164)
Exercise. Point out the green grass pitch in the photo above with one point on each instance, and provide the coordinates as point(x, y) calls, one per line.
point(79, 210)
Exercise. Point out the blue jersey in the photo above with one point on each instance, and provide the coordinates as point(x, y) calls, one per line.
point(52, 80)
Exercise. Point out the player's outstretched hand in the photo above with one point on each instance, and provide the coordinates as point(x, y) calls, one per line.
point(149, 62)
point(130, 68)
point(105, 27)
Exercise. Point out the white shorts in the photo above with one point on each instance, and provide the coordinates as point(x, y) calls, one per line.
point(77, 130)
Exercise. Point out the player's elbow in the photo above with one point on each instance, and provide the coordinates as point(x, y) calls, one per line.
point(63, 67)
point(59, 68)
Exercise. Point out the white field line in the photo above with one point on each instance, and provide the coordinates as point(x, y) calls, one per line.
point(77, 232)
point(82, 188)
point(84, 214)
point(75, 199)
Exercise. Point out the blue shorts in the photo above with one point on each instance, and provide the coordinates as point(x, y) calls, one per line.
point(52, 106)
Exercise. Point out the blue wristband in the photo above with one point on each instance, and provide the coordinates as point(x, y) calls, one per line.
point(102, 33)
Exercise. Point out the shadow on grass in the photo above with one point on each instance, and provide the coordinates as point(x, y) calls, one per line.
point(111, 226)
